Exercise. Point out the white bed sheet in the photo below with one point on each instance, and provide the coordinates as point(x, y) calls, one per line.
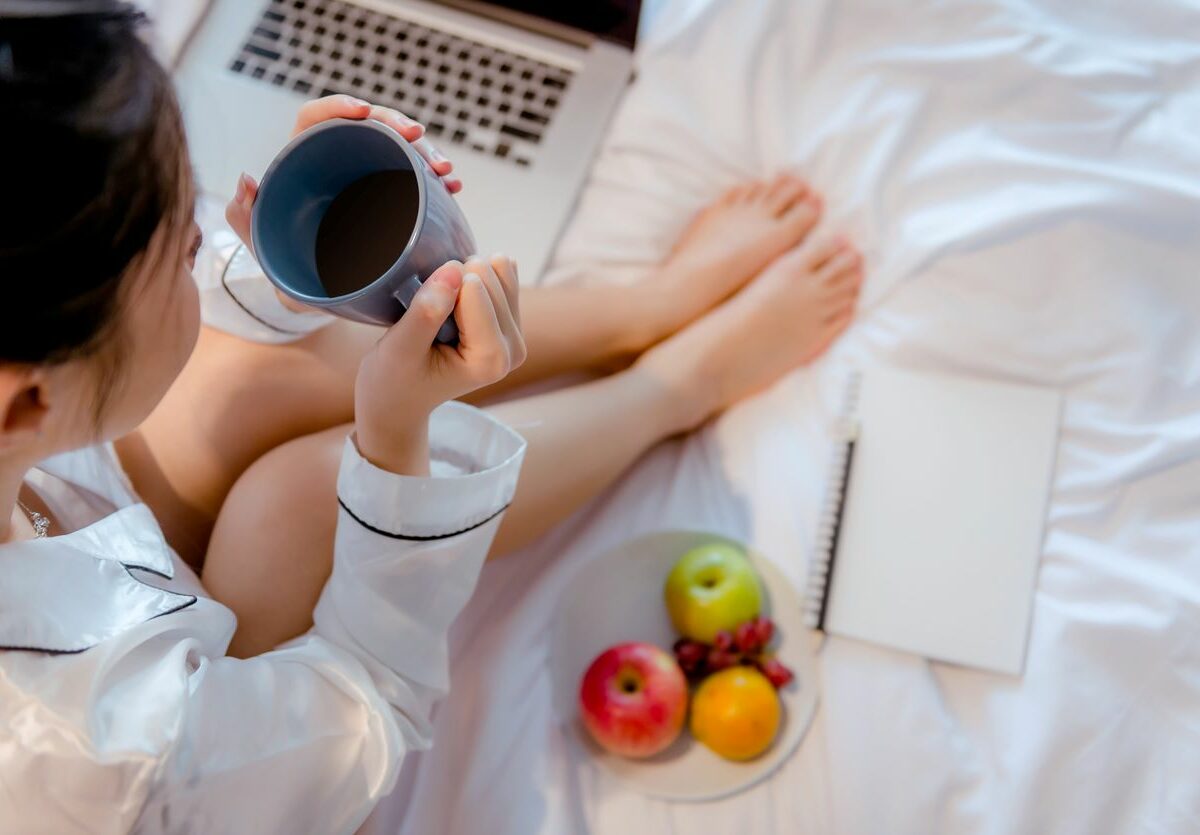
point(1024, 179)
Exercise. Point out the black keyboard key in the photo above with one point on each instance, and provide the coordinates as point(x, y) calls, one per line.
point(537, 118)
point(269, 54)
point(302, 86)
point(556, 83)
point(502, 149)
point(238, 66)
point(269, 34)
point(520, 133)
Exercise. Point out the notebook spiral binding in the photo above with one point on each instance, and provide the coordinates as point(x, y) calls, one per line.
point(824, 552)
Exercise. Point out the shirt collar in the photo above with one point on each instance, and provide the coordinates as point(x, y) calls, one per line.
point(69, 593)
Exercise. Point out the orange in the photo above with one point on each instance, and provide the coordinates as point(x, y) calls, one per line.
point(736, 713)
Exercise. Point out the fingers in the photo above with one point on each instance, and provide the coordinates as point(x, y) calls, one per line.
point(348, 107)
point(330, 107)
point(240, 209)
point(411, 130)
point(481, 341)
point(431, 306)
point(510, 328)
point(510, 280)
point(440, 165)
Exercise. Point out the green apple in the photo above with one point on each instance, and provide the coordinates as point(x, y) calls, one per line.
point(711, 588)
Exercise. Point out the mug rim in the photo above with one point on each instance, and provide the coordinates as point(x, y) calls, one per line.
point(329, 124)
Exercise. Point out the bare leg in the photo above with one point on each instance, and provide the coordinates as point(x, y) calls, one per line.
point(238, 400)
point(270, 552)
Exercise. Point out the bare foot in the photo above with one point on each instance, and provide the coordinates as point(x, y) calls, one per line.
point(730, 242)
point(786, 317)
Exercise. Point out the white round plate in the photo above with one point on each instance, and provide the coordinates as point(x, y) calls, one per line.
point(619, 597)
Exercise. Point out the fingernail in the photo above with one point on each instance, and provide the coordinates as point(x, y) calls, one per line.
point(240, 194)
point(472, 277)
point(357, 102)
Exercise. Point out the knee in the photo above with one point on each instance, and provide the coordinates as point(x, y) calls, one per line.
point(272, 548)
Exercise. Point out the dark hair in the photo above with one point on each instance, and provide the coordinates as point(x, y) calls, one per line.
point(92, 159)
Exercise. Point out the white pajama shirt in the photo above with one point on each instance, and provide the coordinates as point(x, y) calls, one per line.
point(119, 709)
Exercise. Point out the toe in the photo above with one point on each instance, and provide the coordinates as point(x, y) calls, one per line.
point(815, 252)
point(785, 192)
point(733, 195)
point(842, 299)
point(838, 270)
point(800, 218)
point(756, 191)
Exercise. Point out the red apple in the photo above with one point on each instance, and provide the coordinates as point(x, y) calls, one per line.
point(633, 699)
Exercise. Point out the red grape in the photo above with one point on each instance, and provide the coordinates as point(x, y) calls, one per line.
point(765, 629)
point(689, 653)
point(723, 640)
point(776, 673)
point(746, 637)
point(719, 659)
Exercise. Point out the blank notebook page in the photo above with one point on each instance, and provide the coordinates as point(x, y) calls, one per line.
point(942, 527)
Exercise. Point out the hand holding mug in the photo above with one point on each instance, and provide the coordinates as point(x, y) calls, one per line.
point(239, 210)
point(406, 376)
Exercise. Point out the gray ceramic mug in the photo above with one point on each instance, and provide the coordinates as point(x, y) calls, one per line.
point(331, 247)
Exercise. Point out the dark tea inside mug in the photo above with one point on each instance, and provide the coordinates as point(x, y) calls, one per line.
point(365, 229)
point(350, 218)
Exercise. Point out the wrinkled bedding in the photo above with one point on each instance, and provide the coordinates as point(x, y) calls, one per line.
point(1024, 179)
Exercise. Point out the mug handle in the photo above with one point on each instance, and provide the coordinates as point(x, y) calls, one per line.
point(448, 333)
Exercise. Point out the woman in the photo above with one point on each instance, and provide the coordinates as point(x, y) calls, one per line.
point(120, 707)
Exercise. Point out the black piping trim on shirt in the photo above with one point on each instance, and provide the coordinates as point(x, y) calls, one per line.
point(191, 600)
point(247, 310)
point(411, 538)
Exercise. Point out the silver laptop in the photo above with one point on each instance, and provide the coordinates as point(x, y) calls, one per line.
point(517, 93)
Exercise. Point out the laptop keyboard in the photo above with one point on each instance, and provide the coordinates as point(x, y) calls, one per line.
point(464, 92)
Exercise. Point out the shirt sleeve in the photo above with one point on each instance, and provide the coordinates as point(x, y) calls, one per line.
point(176, 736)
point(235, 295)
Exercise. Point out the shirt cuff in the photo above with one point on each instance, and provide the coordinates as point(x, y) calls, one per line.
point(235, 294)
point(474, 460)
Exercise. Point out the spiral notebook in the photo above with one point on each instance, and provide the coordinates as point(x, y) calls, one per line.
point(932, 533)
